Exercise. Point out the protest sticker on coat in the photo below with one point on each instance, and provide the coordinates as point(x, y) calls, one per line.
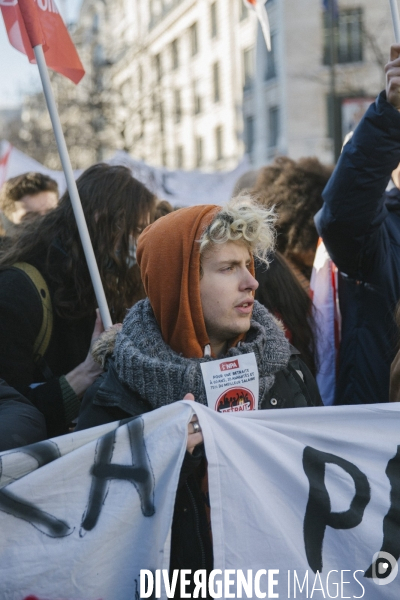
point(232, 384)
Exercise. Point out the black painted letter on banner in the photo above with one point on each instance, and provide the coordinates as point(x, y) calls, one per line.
point(318, 512)
point(140, 474)
point(44, 452)
point(391, 522)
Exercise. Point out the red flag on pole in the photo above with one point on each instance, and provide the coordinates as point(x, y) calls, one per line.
point(33, 22)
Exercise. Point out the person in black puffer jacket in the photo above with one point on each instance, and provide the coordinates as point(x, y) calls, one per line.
point(360, 226)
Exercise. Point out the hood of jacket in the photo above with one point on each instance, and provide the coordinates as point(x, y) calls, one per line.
point(168, 254)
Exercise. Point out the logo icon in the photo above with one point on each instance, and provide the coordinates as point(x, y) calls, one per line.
point(384, 568)
point(235, 399)
point(228, 366)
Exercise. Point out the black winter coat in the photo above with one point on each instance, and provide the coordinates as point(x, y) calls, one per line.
point(360, 225)
point(21, 315)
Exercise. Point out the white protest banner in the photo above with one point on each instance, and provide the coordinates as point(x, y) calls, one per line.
point(231, 384)
point(90, 509)
point(306, 497)
point(184, 188)
point(305, 503)
point(180, 188)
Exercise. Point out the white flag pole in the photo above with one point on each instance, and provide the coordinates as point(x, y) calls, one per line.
point(395, 19)
point(72, 189)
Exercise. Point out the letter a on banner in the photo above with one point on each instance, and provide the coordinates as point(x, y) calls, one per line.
point(60, 52)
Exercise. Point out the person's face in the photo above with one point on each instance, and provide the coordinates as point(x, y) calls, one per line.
point(226, 292)
point(33, 205)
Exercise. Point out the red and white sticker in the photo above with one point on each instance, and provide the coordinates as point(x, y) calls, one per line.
point(232, 383)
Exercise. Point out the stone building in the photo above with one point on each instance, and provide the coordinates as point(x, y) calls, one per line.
point(189, 84)
point(195, 87)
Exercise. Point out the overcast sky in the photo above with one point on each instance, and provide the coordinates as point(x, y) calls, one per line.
point(17, 76)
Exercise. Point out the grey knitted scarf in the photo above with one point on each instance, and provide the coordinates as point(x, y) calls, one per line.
point(161, 376)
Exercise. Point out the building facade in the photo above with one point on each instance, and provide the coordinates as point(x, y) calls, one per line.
point(189, 84)
point(197, 87)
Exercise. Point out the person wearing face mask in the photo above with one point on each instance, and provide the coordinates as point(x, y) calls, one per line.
point(117, 207)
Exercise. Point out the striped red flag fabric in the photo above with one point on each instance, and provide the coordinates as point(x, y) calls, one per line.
point(33, 22)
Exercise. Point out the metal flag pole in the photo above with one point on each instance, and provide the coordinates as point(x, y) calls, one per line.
point(395, 19)
point(72, 189)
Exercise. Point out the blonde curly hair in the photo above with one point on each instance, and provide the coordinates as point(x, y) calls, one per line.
point(243, 219)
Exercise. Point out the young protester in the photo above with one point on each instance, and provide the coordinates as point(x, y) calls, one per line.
point(198, 272)
point(360, 225)
point(25, 197)
point(47, 303)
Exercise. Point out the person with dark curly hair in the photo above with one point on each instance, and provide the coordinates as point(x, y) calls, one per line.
point(117, 207)
point(295, 188)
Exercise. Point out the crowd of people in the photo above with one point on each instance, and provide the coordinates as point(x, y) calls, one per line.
point(193, 285)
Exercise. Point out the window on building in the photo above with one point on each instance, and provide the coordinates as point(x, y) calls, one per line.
point(179, 157)
point(194, 46)
point(140, 78)
point(162, 115)
point(348, 37)
point(196, 98)
point(243, 10)
point(218, 143)
point(96, 23)
point(249, 134)
point(248, 68)
point(141, 120)
point(270, 71)
point(214, 20)
point(178, 107)
point(158, 67)
point(216, 83)
point(273, 126)
point(199, 151)
point(175, 54)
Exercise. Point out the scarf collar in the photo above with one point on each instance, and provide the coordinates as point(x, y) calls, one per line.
point(153, 370)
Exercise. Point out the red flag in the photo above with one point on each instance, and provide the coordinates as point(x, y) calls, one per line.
point(5, 155)
point(33, 22)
